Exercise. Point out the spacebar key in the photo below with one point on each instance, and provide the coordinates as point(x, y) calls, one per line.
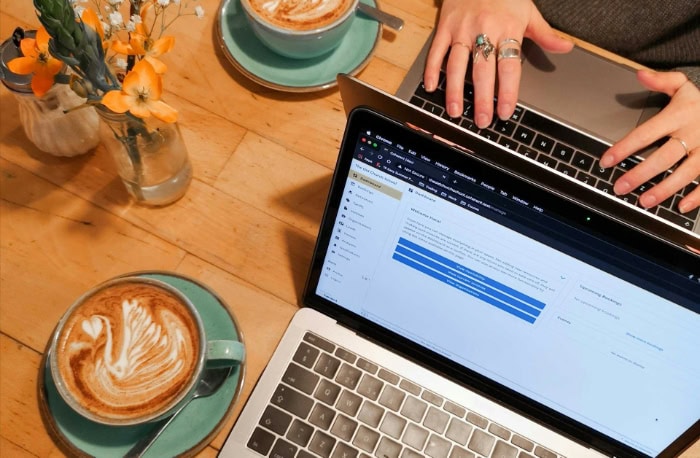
point(563, 134)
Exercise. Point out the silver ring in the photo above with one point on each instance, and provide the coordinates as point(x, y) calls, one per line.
point(683, 144)
point(509, 49)
point(509, 42)
point(509, 53)
point(482, 46)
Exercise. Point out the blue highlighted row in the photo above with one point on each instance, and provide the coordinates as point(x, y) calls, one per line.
point(468, 281)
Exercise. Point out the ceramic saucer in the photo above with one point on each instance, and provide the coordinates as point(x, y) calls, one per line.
point(252, 58)
point(189, 432)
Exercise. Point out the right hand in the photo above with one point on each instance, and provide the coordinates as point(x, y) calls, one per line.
point(460, 22)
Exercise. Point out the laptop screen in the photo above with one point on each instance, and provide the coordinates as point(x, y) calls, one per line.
point(527, 293)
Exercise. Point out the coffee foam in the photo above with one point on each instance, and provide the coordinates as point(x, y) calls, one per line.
point(128, 351)
point(300, 14)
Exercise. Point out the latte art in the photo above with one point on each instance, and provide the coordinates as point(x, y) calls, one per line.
point(300, 14)
point(128, 351)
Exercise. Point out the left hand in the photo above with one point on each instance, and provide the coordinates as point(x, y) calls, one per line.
point(680, 119)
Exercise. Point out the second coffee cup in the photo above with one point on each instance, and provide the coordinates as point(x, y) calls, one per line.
point(300, 29)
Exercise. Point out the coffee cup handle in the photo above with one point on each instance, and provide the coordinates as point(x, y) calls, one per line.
point(225, 352)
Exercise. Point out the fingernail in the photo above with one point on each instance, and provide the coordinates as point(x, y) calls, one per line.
point(622, 186)
point(429, 84)
point(606, 161)
point(482, 120)
point(684, 207)
point(648, 201)
point(453, 110)
point(506, 111)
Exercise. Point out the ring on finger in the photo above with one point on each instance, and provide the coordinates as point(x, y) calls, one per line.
point(460, 43)
point(509, 49)
point(482, 46)
point(683, 144)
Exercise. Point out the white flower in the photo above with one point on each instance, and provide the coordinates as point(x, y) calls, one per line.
point(199, 11)
point(116, 19)
point(121, 63)
point(115, 3)
point(78, 10)
point(135, 18)
point(163, 3)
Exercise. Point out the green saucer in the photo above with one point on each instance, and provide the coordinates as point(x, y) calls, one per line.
point(252, 58)
point(189, 432)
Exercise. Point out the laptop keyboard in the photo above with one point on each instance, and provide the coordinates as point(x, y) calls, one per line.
point(557, 146)
point(331, 403)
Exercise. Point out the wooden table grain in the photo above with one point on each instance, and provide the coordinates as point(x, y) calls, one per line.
point(262, 163)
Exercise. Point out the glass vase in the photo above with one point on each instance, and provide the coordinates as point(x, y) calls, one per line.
point(150, 156)
point(52, 128)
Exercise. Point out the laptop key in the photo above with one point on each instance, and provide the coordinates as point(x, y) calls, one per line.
point(348, 376)
point(586, 178)
point(344, 451)
point(524, 135)
point(563, 152)
point(392, 398)
point(436, 420)
point(504, 450)
point(583, 161)
point(387, 448)
point(322, 444)
point(437, 447)
point(306, 355)
point(370, 414)
point(508, 143)
point(415, 436)
point(481, 442)
point(370, 387)
point(300, 433)
point(300, 378)
point(459, 431)
point(366, 439)
point(543, 143)
point(676, 218)
point(320, 342)
point(349, 403)
point(292, 401)
point(603, 174)
point(459, 452)
point(321, 416)
point(393, 425)
point(283, 449)
point(413, 409)
point(344, 428)
point(327, 365)
point(327, 392)
point(566, 169)
point(547, 160)
point(261, 441)
point(275, 420)
point(432, 108)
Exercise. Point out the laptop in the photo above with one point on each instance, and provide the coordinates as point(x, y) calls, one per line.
point(571, 108)
point(454, 309)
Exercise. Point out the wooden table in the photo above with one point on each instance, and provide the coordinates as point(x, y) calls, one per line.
point(246, 227)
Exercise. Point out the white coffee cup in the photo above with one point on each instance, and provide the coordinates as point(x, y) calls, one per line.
point(132, 350)
point(300, 29)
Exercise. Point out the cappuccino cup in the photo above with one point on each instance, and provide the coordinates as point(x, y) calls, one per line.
point(132, 350)
point(300, 29)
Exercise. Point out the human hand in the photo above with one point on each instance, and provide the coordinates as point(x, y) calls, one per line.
point(459, 24)
point(679, 120)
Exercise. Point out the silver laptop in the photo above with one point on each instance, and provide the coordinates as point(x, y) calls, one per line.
point(572, 107)
point(456, 309)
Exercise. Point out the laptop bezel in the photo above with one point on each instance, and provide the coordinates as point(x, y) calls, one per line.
point(574, 430)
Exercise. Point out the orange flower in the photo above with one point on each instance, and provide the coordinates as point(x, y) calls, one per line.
point(140, 95)
point(90, 18)
point(141, 43)
point(38, 61)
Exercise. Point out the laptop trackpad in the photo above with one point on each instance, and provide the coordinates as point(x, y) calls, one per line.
point(589, 92)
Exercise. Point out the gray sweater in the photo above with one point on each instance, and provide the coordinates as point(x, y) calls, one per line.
point(663, 35)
